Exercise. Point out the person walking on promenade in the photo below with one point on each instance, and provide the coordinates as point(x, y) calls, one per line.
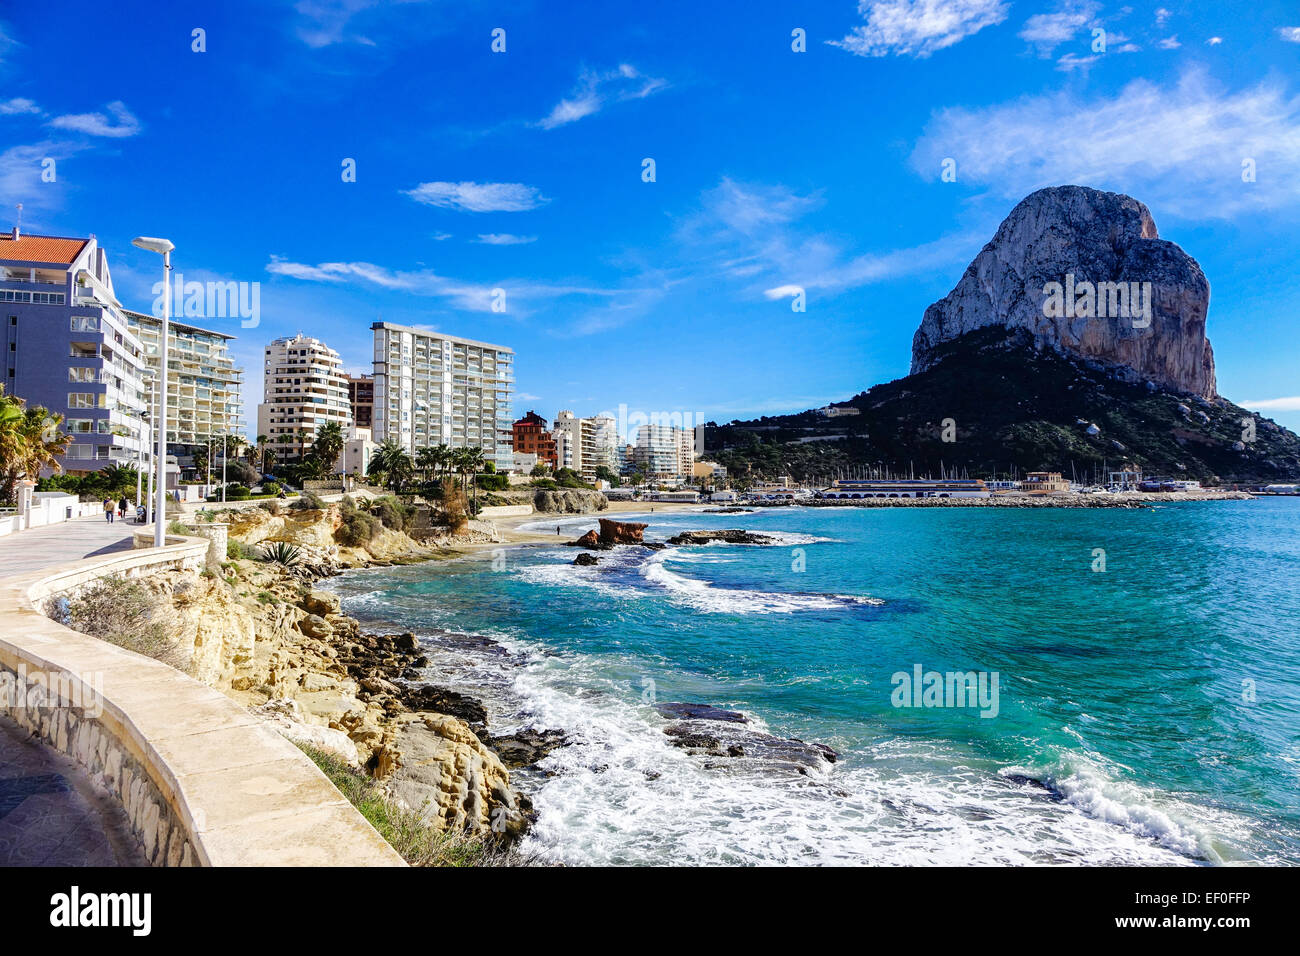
point(121, 508)
point(108, 510)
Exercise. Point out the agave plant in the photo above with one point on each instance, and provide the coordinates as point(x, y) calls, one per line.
point(282, 552)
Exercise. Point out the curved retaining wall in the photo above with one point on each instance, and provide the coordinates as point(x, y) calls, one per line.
point(203, 783)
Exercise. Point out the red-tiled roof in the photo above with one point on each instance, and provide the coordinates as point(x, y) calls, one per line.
point(39, 248)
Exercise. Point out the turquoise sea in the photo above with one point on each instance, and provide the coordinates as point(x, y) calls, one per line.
point(1146, 713)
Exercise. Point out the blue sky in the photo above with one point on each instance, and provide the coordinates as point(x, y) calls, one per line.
point(522, 170)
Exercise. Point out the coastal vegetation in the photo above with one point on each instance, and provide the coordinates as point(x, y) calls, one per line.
point(1011, 407)
point(125, 613)
point(30, 439)
point(409, 831)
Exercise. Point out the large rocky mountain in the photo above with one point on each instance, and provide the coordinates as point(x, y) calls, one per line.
point(1082, 239)
point(1021, 381)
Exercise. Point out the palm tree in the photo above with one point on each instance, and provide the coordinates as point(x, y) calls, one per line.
point(326, 448)
point(391, 465)
point(262, 442)
point(30, 440)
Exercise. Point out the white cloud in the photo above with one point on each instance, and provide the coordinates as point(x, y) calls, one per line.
point(748, 233)
point(1178, 147)
point(1072, 61)
point(594, 90)
point(20, 176)
point(478, 197)
point(503, 239)
point(7, 42)
point(1162, 15)
point(441, 236)
point(1046, 31)
point(1214, 41)
point(527, 397)
point(1289, 34)
point(461, 294)
point(18, 106)
point(1289, 404)
point(1169, 43)
point(121, 124)
point(918, 27)
point(325, 22)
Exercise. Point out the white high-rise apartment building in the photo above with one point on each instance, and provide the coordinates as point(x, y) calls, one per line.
point(203, 397)
point(584, 444)
point(435, 389)
point(665, 451)
point(305, 387)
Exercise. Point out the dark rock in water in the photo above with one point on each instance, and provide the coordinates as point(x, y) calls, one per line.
point(701, 712)
point(728, 511)
point(691, 739)
point(653, 545)
point(589, 540)
point(440, 700)
point(611, 533)
point(730, 536)
point(526, 747)
point(1022, 780)
point(586, 560)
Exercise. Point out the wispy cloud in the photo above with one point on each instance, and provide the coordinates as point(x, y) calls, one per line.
point(1289, 34)
point(1046, 31)
point(1289, 404)
point(521, 294)
point(18, 106)
point(1169, 43)
point(918, 27)
point(7, 41)
point(1181, 147)
point(326, 22)
point(119, 124)
point(20, 176)
point(478, 197)
point(750, 234)
point(1215, 41)
point(503, 239)
point(595, 89)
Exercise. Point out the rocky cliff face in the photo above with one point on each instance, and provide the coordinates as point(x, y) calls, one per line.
point(1085, 272)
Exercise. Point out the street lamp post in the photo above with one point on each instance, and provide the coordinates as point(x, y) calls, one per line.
point(165, 247)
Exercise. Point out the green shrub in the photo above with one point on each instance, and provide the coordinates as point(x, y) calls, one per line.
point(238, 491)
point(270, 488)
point(545, 483)
point(493, 482)
point(393, 512)
point(418, 840)
point(125, 613)
point(358, 528)
point(273, 506)
point(238, 551)
point(176, 527)
point(308, 501)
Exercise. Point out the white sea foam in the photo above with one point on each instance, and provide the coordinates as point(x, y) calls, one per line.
point(616, 796)
point(703, 596)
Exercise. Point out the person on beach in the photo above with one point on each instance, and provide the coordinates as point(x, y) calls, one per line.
point(557, 530)
point(108, 510)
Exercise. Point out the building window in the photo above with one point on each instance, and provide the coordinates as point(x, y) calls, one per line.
point(85, 323)
point(78, 374)
point(87, 400)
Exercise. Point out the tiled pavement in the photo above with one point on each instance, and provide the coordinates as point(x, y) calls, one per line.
point(51, 815)
point(63, 542)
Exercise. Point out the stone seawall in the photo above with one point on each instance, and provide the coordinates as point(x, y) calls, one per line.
point(202, 781)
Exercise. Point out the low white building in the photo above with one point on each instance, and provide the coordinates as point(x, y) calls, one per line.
point(358, 448)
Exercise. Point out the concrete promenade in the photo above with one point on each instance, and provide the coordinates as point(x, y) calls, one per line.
point(50, 812)
point(63, 542)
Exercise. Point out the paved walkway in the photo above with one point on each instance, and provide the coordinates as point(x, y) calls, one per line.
point(59, 543)
point(50, 812)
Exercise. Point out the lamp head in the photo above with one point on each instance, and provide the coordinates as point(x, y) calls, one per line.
point(153, 245)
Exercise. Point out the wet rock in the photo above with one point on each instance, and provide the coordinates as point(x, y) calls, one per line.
point(526, 747)
point(730, 536)
point(586, 560)
point(683, 711)
point(440, 700)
